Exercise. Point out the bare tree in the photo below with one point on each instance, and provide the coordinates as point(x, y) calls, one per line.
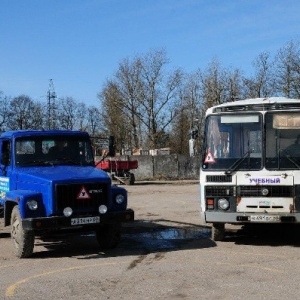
point(263, 83)
point(129, 83)
point(214, 84)
point(66, 113)
point(234, 90)
point(146, 97)
point(5, 112)
point(22, 116)
point(37, 116)
point(95, 123)
point(159, 96)
point(81, 117)
point(179, 135)
point(287, 63)
point(115, 116)
point(188, 117)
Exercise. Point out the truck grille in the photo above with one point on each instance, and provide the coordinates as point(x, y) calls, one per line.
point(256, 191)
point(82, 198)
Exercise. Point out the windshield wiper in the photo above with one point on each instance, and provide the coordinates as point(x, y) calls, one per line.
point(236, 164)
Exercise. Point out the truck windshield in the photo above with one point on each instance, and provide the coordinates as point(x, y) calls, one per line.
point(51, 150)
point(233, 142)
point(283, 140)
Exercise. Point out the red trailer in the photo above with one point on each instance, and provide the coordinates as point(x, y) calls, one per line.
point(119, 169)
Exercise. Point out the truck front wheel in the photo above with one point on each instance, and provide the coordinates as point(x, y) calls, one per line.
point(218, 232)
point(23, 241)
point(109, 235)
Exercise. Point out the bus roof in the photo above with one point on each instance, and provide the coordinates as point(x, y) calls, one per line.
point(256, 104)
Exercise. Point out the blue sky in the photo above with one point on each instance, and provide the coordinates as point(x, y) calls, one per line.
point(80, 43)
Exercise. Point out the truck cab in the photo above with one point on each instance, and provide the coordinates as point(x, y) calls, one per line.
point(49, 181)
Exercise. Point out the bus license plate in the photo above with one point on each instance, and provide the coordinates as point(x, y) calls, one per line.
point(82, 221)
point(264, 218)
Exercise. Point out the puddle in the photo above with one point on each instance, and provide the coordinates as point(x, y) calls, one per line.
point(165, 239)
point(175, 234)
point(167, 234)
point(160, 238)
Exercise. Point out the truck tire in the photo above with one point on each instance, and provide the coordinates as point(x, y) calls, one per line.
point(109, 236)
point(22, 240)
point(218, 232)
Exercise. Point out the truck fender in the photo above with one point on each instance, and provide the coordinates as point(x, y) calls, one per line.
point(115, 190)
point(23, 198)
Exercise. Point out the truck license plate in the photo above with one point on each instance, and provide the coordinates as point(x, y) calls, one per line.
point(264, 218)
point(82, 221)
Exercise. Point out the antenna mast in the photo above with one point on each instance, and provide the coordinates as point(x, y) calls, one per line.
point(51, 106)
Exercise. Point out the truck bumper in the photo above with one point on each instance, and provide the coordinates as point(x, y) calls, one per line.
point(62, 222)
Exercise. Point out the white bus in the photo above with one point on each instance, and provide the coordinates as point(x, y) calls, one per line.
point(250, 163)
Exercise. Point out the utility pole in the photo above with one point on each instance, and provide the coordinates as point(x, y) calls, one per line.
point(51, 106)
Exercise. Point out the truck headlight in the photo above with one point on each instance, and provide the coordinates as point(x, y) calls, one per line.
point(102, 209)
point(223, 203)
point(119, 199)
point(32, 204)
point(68, 211)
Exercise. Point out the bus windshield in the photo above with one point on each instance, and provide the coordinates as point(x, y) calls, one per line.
point(282, 140)
point(233, 142)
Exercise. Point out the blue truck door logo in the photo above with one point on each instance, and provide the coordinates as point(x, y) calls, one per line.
point(4, 186)
point(83, 194)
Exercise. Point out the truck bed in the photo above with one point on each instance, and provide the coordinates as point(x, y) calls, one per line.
point(115, 165)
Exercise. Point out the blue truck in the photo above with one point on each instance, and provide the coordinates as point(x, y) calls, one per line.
point(49, 182)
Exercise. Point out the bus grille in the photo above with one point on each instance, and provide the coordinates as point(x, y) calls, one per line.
point(219, 191)
point(82, 198)
point(256, 191)
point(218, 178)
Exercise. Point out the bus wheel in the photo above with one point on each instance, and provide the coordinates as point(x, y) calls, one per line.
point(23, 241)
point(218, 232)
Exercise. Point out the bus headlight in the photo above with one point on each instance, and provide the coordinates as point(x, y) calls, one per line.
point(223, 203)
point(32, 204)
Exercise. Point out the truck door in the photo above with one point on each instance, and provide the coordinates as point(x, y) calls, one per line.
point(5, 168)
point(5, 157)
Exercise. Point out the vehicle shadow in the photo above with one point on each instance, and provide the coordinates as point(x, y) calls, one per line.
point(138, 238)
point(266, 235)
point(163, 182)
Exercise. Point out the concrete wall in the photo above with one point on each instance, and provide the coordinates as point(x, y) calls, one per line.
point(172, 166)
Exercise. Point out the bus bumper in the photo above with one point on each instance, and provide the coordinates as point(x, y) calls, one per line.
point(242, 218)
